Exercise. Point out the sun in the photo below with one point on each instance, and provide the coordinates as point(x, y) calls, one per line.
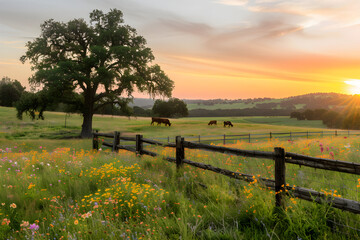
point(354, 86)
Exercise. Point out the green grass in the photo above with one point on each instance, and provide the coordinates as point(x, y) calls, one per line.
point(53, 127)
point(77, 194)
point(70, 192)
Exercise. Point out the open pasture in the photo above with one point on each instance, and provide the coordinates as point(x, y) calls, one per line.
point(53, 127)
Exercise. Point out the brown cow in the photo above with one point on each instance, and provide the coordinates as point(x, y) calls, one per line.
point(159, 121)
point(212, 122)
point(228, 123)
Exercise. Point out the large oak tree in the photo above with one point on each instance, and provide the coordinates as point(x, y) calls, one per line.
point(104, 61)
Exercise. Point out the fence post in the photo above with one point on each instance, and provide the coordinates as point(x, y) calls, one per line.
point(139, 144)
point(199, 139)
point(249, 138)
point(290, 136)
point(348, 133)
point(270, 136)
point(95, 140)
point(307, 134)
point(180, 153)
point(116, 141)
point(335, 132)
point(168, 139)
point(279, 177)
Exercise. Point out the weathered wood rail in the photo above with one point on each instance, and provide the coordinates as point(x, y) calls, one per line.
point(279, 155)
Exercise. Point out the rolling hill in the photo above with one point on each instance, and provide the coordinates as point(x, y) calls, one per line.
point(261, 106)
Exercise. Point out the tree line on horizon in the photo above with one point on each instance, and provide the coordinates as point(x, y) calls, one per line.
point(348, 118)
point(13, 94)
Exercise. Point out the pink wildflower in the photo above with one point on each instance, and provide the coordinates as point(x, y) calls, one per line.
point(34, 226)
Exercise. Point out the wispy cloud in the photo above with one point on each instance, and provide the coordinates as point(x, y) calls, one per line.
point(232, 2)
point(339, 11)
point(184, 26)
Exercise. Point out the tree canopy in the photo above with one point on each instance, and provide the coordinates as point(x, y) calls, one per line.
point(10, 91)
point(172, 108)
point(103, 61)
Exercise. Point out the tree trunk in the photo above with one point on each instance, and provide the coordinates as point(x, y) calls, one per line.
point(86, 128)
point(88, 112)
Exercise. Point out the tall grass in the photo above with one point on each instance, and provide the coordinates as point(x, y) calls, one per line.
point(70, 193)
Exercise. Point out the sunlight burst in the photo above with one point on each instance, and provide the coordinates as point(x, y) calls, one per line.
point(354, 87)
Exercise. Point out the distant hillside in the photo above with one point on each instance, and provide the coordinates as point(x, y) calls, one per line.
point(312, 100)
point(260, 106)
point(142, 102)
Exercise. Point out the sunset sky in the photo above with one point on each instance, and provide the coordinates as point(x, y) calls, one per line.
point(217, 48)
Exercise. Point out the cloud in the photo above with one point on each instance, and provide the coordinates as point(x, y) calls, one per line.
point(232, 2)
point(182, 26)
point(339, 11)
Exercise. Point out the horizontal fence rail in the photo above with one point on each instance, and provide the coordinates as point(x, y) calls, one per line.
point(250, 137)
point(279, 155)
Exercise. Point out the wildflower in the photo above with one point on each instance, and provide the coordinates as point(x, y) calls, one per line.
point(24, 223)
point(5, 221)
point(34, 226)
point(13, 205)
point(76, 222)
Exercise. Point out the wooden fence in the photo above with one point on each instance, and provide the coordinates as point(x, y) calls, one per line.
point(279, 155)
point(251, 137)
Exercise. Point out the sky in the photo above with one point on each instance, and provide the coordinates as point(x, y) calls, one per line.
point(217, 48)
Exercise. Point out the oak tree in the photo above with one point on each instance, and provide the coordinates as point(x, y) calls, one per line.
point(104, 61)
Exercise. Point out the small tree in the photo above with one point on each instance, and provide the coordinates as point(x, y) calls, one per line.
point(104, 61)
point(10, 91)
point(33, 104)
point(172, 108)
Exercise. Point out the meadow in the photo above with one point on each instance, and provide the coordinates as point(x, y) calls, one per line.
point(62, 126)
point(59, 188)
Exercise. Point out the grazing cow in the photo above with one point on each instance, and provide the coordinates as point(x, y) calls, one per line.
point(159, 121)
point(212, 122)
point(228, 123)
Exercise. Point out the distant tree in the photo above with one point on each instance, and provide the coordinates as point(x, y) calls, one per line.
point(104, 61)
point(32, 104)
point(297, 115)
point(138, 111)
point(333, 119)
point(179, 108)
point(172, 108)
point(309, 114)
point(318, 113)
point(10, 91)
point(161, 109)
point(352, 120)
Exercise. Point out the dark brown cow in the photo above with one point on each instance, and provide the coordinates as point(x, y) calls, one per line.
point(212, 122)
point(228, 123)
point(159, 121)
